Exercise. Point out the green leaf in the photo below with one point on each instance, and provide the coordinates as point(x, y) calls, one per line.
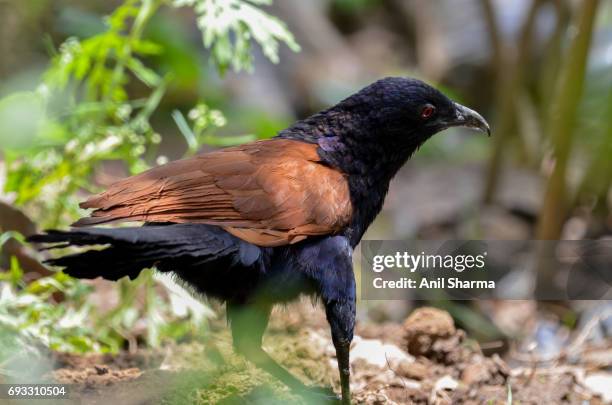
point(229, 26)
point(185, 130)
point(146, 75)
point(145, 47)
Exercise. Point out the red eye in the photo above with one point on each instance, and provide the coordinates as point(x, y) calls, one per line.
point(427, 111)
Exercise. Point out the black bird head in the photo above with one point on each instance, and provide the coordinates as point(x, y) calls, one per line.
point(385, 122)
point(405, 106)
point(403, 110)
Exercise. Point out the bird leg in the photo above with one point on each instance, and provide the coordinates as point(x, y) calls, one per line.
point(341, 317)
point(342, 354)
point(331, 267)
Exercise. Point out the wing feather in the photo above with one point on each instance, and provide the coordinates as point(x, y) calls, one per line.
point(269, 193)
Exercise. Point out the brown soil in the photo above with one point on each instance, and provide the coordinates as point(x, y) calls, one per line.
point(448, 368)
point(440, 365)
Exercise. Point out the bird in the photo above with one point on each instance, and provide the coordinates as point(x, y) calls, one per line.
point(265, 222)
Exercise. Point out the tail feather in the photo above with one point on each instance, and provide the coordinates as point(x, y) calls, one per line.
point(126, 251)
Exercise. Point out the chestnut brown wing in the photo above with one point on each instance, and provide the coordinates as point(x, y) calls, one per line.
point(269, 193)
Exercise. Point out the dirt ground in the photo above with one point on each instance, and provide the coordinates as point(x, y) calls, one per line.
point(425, 360)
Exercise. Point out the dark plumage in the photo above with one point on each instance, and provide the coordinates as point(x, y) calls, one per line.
point(262, 223)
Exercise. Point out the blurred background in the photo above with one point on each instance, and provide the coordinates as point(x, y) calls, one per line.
point(93, 91)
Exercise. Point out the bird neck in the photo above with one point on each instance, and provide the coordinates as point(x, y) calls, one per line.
point(358, 149)
point(355, 141)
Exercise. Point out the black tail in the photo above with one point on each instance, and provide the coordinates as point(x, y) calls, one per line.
point(129, 250)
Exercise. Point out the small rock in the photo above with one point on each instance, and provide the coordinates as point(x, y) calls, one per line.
point(430, 321)
point(501, 367)
point(377, 353)
point(475, 373)
point(101, 370)
point(373, 398)
point(600, 383)
point(412, 370)
point(424, 327)
point(448, 344)
point(446, 383)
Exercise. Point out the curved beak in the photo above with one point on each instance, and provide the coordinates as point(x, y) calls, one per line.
point(469, 118)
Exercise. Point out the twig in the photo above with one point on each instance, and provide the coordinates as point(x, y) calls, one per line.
point(400, 377)
point(586, 331)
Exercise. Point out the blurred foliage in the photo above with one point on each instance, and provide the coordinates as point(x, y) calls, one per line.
point(30, 317)
point(85, 114)
point(55, 312)
point(203, 119)
point(228, 26)
point(552, 111)
point(562, 121)
point(354, 5)
point(82, 114)
point(95, 103)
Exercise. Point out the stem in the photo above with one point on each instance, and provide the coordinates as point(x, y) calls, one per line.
point(144, 15)
point(510, 71)
point(553, 54)
point(597, 179)
point(495, 39)
point(563, 117)
point(145, 12)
